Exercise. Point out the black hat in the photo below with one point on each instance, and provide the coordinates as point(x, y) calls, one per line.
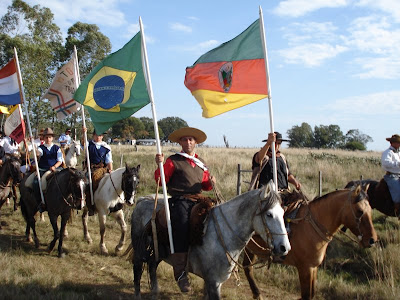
point(278, 137)
point(68, 130)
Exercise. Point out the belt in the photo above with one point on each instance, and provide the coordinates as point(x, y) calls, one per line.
point(390, 173)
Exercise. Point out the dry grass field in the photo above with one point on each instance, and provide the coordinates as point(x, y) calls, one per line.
point(348, 272)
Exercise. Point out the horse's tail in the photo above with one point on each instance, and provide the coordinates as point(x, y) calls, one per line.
point(129, 252)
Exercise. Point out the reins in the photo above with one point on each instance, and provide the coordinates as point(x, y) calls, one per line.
point(115, 189)
point(63, 197)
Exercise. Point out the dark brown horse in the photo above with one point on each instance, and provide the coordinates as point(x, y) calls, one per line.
point(10, 176)
point(378, 195)
point(311, 231)
point(65, 192)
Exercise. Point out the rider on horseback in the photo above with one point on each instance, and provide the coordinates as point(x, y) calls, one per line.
point(262, 165)
point(185, 175)
point(391, 164)
point(100, 158)
point(50, 159)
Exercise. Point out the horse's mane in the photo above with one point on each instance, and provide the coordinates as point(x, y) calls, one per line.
point(271, 200)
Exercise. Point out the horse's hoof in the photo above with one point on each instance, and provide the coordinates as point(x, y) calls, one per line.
point(88, 239)
point(29, 239)
point(118, 249)
point(37, 244)
point(61, 255)
point(103, 251)
point(3, 223)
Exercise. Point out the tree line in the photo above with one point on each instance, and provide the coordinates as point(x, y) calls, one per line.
point(327, 136)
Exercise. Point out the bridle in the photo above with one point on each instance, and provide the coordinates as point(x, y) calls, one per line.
point(72, 195)
point(126, 175)
point(220, 236)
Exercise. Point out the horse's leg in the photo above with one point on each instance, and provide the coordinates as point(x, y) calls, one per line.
point(53, 220)
point(102, 224)
point(119, 216)
point(248, 260)
point(42, 217)
point(14, 190)
point(32, 224)
point(314, 281)
point(213, 290)
point(305, 276)
point(137, 273)
point(153, 278)
point(85, 218)
point(64, 219)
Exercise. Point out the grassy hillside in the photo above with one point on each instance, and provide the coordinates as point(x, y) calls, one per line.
point(347, 272)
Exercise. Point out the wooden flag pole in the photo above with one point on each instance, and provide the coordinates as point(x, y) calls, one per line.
point(146, 70)
point(271, 115)
point(22, 94)
point(86, 145)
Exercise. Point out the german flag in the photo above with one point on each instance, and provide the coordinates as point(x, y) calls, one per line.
point(231, 75)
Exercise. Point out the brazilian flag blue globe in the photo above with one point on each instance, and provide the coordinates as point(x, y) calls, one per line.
point(116, 87)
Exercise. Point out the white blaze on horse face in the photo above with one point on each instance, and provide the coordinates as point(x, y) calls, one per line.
point(77, 147)
point(274, 220)
point(82, 188)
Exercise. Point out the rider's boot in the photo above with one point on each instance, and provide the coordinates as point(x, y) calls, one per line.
point(179, 265)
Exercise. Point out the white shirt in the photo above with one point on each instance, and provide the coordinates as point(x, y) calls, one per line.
point(391, 160)
point(59, 153)
point(8, 147)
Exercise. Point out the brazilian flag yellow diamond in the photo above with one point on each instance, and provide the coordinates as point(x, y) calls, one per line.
point(109, 88)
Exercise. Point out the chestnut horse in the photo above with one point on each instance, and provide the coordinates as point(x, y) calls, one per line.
point(378, 195)
point(315, 225)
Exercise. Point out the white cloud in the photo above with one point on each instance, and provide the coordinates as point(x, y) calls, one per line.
point(180, 27)
point(311, 55)
point(377, 38)
point(385, 103)
point(199, 48)
point(391, 7)
point(297, 8)
point(311, 43)
point(100, 12)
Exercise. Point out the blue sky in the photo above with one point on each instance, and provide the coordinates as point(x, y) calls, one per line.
point(331, 61)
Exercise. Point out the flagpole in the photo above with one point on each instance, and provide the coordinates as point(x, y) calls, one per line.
point(271, 114)
point(22, 95)
point(77, 83)
point(156, 133)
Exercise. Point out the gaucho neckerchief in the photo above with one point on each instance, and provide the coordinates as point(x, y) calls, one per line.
point(197, 161)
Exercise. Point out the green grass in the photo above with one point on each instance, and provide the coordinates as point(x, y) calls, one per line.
point(347, 272)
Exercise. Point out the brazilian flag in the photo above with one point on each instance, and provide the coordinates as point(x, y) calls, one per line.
point(116, 87)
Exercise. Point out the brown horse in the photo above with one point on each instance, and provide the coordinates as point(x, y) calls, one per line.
point(315, 225)
point(378, 195)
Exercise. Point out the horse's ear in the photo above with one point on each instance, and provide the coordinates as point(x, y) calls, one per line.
point(126, 165)
point(138, 167)
point(356, 191)
point(366, 187)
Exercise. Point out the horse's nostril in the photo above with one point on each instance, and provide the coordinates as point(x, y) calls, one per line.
point(371, 241)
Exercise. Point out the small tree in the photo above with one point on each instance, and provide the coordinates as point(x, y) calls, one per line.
point(169, 125)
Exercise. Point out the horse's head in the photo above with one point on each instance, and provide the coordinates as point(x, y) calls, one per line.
point(77, 184)
point(358, 218)
point(77, 147)
point(129, 183)
point(12, 169)
point(269, 223)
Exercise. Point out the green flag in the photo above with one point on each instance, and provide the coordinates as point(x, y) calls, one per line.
point(116, 87)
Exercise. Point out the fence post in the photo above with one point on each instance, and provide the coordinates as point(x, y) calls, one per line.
point(361, 178)
point(239, 181)
point(320, 184)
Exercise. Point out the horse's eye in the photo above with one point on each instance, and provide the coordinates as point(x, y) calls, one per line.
point(269, 215)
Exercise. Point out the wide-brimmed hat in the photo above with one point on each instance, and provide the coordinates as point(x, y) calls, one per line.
point(198, 135)
point(278, 138)
point(48, 131)
point(395, 138)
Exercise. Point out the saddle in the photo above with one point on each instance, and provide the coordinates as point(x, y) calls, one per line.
point(45, 177)
point(198, 216)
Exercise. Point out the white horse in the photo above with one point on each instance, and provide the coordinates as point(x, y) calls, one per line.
point(114, 190)
point(229, 228)
point(71, 154)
